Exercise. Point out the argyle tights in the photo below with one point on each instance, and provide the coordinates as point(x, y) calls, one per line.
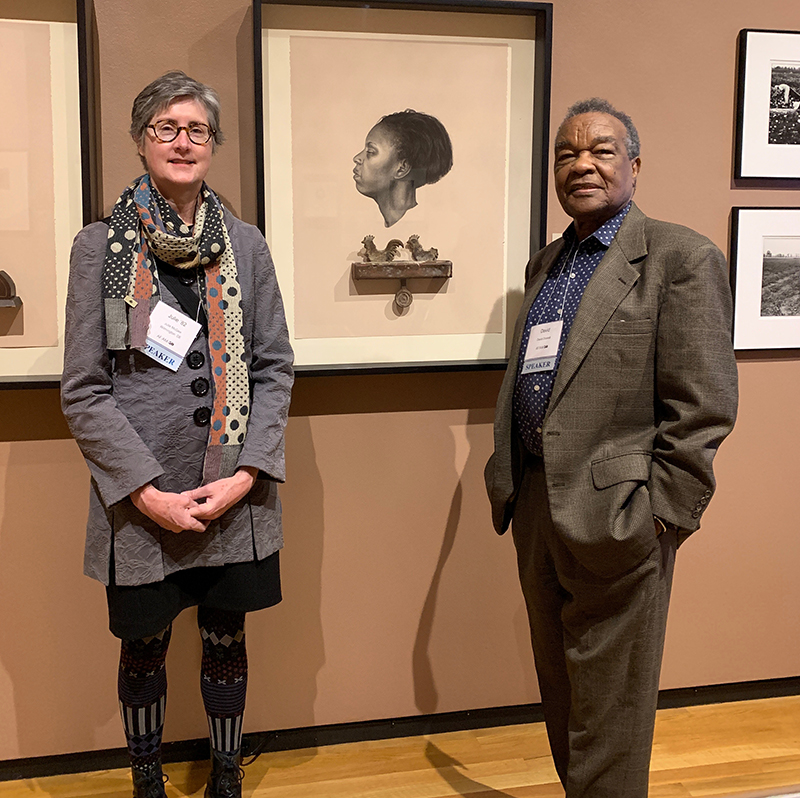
point(142, 685)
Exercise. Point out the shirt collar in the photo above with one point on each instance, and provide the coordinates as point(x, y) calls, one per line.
point(605, 233)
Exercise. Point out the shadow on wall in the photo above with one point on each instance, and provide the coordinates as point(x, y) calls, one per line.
point(470, 566)
point(285, 643)
point(52, 642)
point(426, 693)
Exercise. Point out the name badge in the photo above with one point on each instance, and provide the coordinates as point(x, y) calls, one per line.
point(169, 335)
point(542, 349)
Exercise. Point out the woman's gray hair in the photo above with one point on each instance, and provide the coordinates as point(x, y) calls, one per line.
point(599, 105)
point(164, 91)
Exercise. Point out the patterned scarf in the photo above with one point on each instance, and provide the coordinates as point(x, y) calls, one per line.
point(142, 223)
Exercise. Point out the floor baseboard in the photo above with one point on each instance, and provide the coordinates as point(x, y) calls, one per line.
point(315, 736)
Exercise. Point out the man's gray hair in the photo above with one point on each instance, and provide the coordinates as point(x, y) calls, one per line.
point(163, 91)
point(599, 105)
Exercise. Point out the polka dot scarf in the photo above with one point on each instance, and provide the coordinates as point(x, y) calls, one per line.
point(142, 222)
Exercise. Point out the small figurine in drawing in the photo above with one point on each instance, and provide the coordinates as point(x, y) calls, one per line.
point(371, 254)
point(398, 261)
point(403, 152)
point(418, 253)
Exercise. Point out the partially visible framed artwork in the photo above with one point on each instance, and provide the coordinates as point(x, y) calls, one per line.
point(42, 201)
point(765, 278)
point(403, 175)
point(768, 107)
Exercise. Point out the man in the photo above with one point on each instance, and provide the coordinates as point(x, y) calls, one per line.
point(621, 384)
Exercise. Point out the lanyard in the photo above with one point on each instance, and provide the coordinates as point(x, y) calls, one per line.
point(573, 254)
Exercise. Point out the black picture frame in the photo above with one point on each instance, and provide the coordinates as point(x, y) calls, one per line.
point(539, 157)
point(40, 366)
point(768, 113)
point(765, 279)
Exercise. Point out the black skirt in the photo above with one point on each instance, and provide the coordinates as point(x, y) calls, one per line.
point(144, 610)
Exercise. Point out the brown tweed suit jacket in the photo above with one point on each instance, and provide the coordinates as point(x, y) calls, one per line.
point(645, 392)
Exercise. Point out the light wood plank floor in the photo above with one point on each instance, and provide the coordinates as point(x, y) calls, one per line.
point(739, 749)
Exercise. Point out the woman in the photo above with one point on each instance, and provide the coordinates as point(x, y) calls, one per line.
point(185, 452)
point(402, 153)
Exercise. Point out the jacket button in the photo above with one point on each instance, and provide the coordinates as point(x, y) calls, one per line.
point(707, 494)
point(200, 386)
point(202, 416)
point(703, 500)
point(188, 278)
point(195, 359)
point(696, 514)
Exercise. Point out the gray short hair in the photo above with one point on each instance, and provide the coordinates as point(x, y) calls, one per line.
point(164, 91)
point(599, 105)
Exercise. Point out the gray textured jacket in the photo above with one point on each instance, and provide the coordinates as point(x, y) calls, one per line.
point(134, 422)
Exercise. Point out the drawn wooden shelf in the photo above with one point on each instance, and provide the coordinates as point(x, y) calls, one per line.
point(403, 270)
point(8, 292)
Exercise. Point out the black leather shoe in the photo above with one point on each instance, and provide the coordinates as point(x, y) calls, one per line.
point(226, 776)
point(148, 781)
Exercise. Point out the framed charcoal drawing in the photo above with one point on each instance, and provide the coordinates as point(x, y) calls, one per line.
point(44, 196)
point(765, 278)
point(768, 106)
point(403, 175)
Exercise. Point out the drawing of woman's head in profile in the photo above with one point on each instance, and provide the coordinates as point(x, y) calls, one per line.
point(403, 152)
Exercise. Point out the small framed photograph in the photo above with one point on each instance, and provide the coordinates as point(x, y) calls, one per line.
point(765, 278)
point(768, 107)
point(403, 175)
point(44, 194)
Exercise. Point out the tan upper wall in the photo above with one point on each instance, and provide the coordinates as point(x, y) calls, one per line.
point(399, 598)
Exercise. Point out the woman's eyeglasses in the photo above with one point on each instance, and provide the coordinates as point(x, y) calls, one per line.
point(197, 132)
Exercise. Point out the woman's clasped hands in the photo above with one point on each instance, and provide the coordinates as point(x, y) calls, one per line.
point(193, 510)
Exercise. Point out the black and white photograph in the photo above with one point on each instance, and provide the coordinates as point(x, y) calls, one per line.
point(768, 105)
point(780, 279)
point(765, 278)
point(784, 102)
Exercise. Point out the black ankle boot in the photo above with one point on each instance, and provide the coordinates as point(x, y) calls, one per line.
point(148, 781)
point(225, 780)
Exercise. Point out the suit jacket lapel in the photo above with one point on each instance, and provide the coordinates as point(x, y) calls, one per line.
point(611, 282)
point(549, 257)
point(504, 478)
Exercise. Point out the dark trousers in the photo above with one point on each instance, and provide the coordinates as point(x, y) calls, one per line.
point(597, 645)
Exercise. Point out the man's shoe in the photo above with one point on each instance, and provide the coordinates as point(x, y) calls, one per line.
point(148, 781)
point(226, 776)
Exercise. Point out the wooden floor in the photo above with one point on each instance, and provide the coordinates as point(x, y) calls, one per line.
point(739, 749)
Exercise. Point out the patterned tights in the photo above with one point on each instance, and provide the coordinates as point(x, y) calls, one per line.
point(142, 685)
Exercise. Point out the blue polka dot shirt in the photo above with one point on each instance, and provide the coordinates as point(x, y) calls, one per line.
point(558, 299)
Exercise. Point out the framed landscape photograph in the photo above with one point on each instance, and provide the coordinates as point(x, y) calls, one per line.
point(42, 202)
point(768, 107)
point(403, 175)
point(765, 278)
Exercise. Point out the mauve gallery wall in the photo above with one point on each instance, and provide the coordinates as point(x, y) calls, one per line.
point(399, 598)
